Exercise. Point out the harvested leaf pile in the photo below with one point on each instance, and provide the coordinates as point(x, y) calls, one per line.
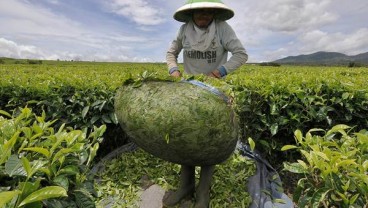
point(178, 121)
point(120, 183)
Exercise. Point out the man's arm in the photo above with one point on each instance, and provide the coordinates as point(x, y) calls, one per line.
point(173, 53)
point(232, 44)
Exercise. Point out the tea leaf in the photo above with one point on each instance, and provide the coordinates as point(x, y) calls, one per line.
point(252, 144)
point(7, 196)
point(288, 147)
point(319, 196)
point(44, 193)
point(5, 113)
point(40, 150)
point(27, 166)
point(294, 167)
point(85, 111)
point(14, 167)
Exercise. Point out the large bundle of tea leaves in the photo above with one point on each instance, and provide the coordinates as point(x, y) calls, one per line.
point(180, 122)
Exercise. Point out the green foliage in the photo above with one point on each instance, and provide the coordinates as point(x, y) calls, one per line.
point(272, 101)
point(354, 64)
point(77, 94)
point(270, 64)
point(334, 168)
point(125, 177)
point(41, 164)
point(34, 61)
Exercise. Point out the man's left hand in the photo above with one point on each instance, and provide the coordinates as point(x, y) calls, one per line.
point(215, 74)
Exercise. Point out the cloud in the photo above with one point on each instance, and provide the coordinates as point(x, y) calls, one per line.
point(140, 11)
point(34, 31)
point(11, 49)
point(25, 18)
point(317, 40)
point(291, 15)
point(274, 29)
point(353, 43)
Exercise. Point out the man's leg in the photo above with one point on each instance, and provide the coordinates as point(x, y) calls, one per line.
point(186, 187)
point(204, 186)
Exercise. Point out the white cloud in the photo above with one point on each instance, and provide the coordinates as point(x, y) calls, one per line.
point(353, 43)
point(317, 40)
point(290, 15)
point(279, 28)
point(140, 11)
point(11, 49)
point(23, 17)
point(32, 31)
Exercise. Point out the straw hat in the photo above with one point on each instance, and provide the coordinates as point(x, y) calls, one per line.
point(184, 13)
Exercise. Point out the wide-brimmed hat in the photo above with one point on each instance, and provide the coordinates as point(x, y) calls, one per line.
point(184, 13)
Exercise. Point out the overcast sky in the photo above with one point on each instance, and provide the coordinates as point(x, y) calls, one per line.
point(141, 30)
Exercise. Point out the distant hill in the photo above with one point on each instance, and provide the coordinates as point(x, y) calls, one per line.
point(325, 58)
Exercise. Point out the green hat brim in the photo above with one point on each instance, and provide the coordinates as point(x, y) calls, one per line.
point(184, 13)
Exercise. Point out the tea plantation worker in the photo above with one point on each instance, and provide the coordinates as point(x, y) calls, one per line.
point(206, 39)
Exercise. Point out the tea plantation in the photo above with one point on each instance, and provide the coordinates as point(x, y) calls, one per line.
point(312, 118)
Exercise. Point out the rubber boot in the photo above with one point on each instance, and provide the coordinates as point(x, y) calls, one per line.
point(186, 187)
point(204, 186)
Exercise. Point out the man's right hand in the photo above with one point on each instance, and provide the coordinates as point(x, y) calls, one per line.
point(176, 74)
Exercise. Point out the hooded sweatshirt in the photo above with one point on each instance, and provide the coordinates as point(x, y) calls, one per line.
point(210, 55)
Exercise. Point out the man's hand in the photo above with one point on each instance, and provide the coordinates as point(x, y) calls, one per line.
point(176, 74)
point(215, 74)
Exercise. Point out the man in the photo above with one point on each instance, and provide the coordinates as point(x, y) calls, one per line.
point(205, 39)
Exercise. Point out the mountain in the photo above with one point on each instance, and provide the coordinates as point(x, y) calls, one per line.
point(325, 58)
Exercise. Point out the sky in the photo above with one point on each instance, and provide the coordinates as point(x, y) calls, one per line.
point(142, 30)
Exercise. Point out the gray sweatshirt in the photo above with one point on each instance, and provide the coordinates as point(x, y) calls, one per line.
point(204, 62)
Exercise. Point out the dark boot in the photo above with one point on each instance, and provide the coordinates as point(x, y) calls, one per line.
point(186, 187)
point(204, 186)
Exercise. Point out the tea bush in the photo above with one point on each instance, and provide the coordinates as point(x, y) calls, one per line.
point(44, 166)
point(334, 167)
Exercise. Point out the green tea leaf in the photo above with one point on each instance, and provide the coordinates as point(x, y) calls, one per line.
point(252, 144)
point(5, 113)
point(28, 188)
point(85, 111)
point(7, 196)
point(93, 152)
point(319, 196)
point(288, 147)
point(62, 181)
point(322, 155)
point(40, 150)
point(298, 136)
point(27, 166)
point(294, 167)
point(84, 199)
point(44, 193)
point(14, 167)
point(274, 129)
point(8, 147)
point(69, 170)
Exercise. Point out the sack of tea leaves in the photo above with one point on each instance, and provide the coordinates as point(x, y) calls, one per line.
point(186, 122)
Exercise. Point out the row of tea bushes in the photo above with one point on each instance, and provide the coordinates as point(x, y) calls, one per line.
point(271, 102)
